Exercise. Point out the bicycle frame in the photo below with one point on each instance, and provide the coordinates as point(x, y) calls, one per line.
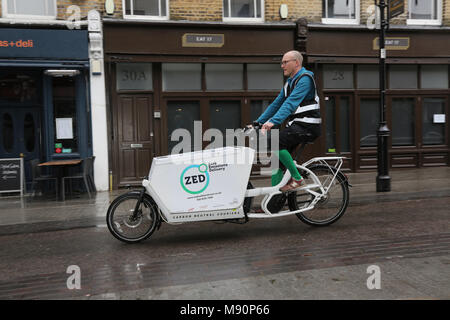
point(272, 191)
point(316, 189)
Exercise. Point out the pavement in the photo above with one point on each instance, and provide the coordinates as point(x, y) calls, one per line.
point(403, 279)
point(43, 213)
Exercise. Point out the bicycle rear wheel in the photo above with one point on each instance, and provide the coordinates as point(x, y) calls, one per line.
point(331, 207)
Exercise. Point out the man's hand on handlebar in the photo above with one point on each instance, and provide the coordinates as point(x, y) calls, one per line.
point(266, 127)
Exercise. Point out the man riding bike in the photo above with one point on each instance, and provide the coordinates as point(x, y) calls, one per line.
point(297, 103)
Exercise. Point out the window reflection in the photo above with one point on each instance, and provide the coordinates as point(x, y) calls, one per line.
point(403, 118)
point(344, 121)
point(18, 88)
point(257, 107)
point(433, 121)
point(224, 76)
point(29, 132)
point(64, 106)
point(8, 133)
point(182, 76)
point(330, 110)
point(182, 114)
point(424, 10)
point(225, 115)
point(369, 121)
point(338, 9)
point(403, 76)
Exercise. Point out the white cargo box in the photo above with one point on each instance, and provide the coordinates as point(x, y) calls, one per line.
point(207, 180)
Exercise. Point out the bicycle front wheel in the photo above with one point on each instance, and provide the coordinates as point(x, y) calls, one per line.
point(127, 226)
point(330, 207)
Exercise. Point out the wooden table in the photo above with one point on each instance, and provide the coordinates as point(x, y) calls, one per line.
point(60, 165)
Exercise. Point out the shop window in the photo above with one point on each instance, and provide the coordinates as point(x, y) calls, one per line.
point(340, 11)
point(134, 76)
point(36, 9)
point(182, 114)
point(257, 107)
point(344, 124)
point(338, 76)
point(224, 76)
point(403, 77)
point(369, 120)
point(434, 76)
point(8, 132)
point(423, 12)
point(264, 77)
point(330, 112)
point(433, 121)
point(65, 115)
point(29, 132)
point(403, 120)
point(239, 10)
point(182, 76)
point(146, 9)
point(224, 115)
point(337, 124)
point(18, 88)
point(368, 76)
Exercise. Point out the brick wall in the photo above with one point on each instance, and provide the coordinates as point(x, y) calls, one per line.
point(211, 10)
point(446, 13)
point(312, 10)
point(85, 7)
point(196, 10)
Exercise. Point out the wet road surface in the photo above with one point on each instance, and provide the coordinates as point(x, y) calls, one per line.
point(33, 265)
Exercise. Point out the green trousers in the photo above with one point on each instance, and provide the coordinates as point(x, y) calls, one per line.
point(288, 162)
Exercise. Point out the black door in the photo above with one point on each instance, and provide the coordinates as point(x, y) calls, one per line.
point(20, 129)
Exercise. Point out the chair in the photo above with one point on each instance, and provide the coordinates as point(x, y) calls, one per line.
point(37, 176)
point(85, 174)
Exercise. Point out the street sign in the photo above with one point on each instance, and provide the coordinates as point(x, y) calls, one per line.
point(203, 40)
point(396, 8)
point(392, 43)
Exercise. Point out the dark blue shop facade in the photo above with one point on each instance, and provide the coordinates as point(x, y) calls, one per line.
point(44, 95)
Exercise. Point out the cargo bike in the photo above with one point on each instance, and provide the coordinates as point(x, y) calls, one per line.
point(213, 185)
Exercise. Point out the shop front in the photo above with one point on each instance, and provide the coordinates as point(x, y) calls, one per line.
point(417, 94)
point(165, 76)
point(44, 104)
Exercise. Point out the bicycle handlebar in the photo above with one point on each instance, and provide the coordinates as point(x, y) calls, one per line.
point(255, 126)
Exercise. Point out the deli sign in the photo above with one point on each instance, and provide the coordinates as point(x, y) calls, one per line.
point(44, 43)
point(18, 44)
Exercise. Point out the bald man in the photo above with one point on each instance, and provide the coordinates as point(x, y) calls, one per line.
point(297, 103)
